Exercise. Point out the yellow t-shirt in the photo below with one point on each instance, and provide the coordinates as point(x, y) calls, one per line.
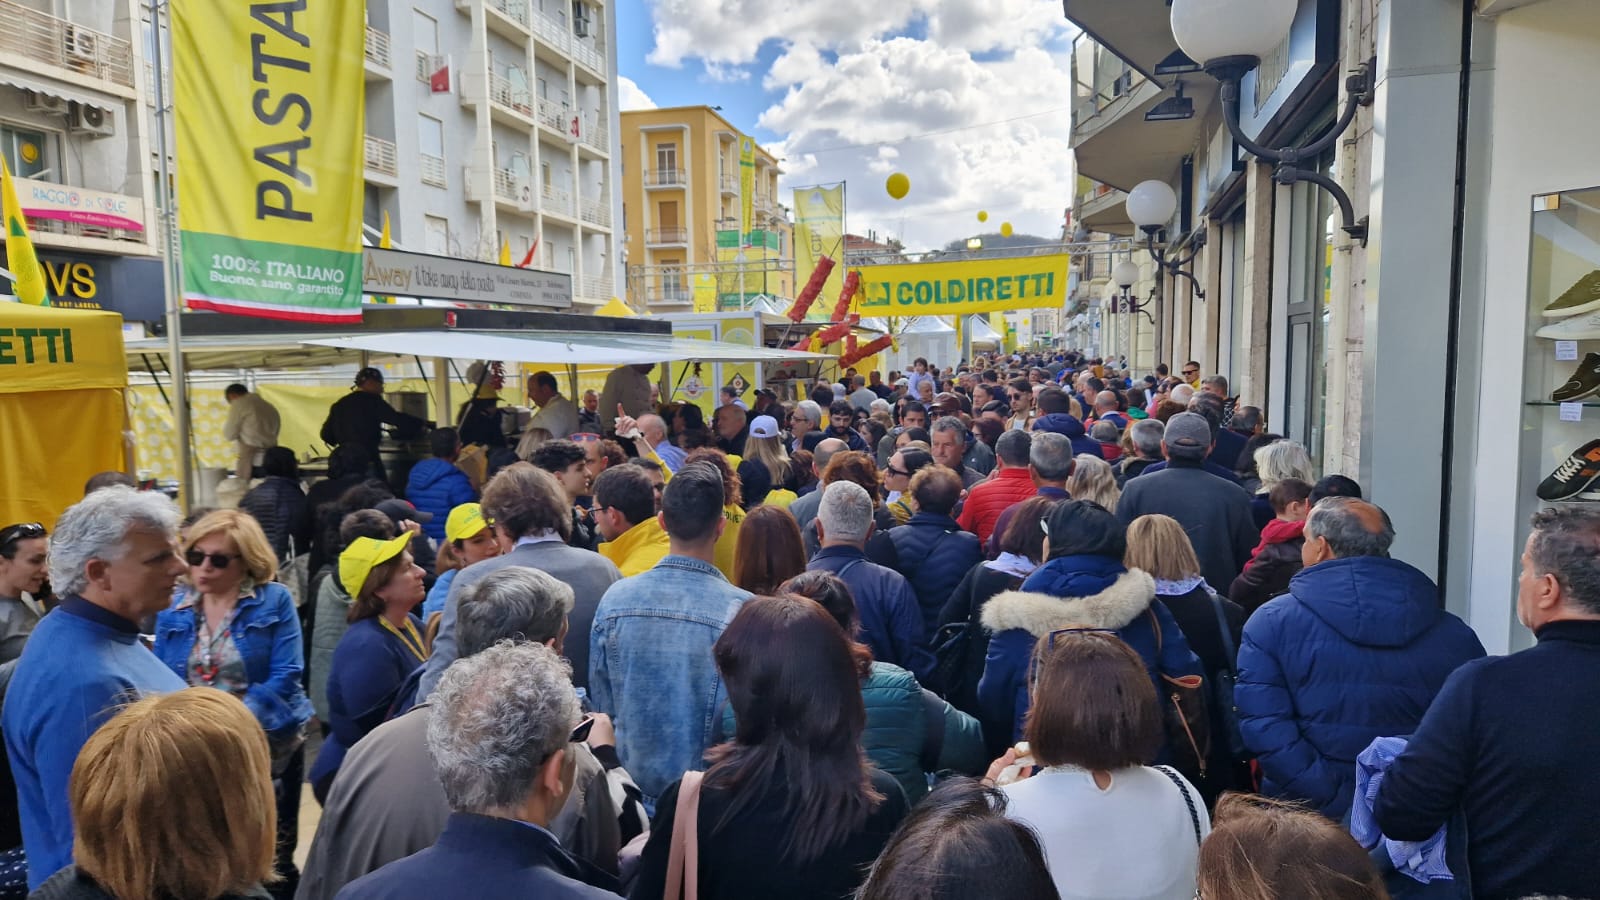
point(726, 545)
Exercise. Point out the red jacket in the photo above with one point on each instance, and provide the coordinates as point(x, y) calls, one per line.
point(986, 501)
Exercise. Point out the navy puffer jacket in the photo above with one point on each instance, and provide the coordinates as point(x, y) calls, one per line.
point(437, 486)
point(935, 554)
point(1072, 429)
point(1356, 650)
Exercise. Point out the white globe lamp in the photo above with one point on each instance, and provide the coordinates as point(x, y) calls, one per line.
point(1125, 274)
point(1151, 204)
point(1233, 34)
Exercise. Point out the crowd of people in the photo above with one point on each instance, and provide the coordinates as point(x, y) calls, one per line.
point(1033, 627)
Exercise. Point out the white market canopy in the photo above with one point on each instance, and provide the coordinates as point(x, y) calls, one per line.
point(982, 331)
point(928, 325)
point(538, 347)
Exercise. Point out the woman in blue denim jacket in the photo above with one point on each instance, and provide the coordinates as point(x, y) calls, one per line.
point(235, 629)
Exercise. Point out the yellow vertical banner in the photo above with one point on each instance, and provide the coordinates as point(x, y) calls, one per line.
point(819, 232)
point(269, 101)
point(747, 188)
point(705, 293)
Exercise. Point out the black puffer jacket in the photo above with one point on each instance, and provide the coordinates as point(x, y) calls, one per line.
point(935, 554)
point(280, 506)
point(70, 884)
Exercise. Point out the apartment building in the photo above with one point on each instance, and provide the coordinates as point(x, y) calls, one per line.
point(684, 206)
point(72, 134)
point(491, 122)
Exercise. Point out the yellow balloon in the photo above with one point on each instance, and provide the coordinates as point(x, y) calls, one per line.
point(898, 185)
point(983, 216)
point(1005, 229)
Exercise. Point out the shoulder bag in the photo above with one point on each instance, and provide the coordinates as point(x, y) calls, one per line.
point(1184, 717)
point(1224, 682)
point(683, 859)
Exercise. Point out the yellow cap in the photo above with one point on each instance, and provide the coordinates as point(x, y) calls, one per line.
point(465, 521)
point(365, 554)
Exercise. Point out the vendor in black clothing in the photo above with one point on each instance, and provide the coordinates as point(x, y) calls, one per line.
point(358, 418)
point(479, 418)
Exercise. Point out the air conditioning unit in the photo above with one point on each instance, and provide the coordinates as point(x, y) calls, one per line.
point(33, 101)
point(81, 43)
point(92, 121)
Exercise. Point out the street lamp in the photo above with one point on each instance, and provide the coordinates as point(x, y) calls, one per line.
point(1228, 38)
point(974, 244)
point(1150, 205)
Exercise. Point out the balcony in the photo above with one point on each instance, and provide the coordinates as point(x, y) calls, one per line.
point(512, 189)
point(378, 60)
point(1102, 208)
point(1139, 31)
point(595, 287)
point(380, 158)
point(508, 18)
point(730, 184)
point(556, 201)
point(585, 54)
point(666, 237)
point(558, 118)
point(597, 213)
point(42, 38)
point(1111, 140)
point(513, 102)
point(596, 136)
point(669, 293)
point(431, 170)
point(665, 178)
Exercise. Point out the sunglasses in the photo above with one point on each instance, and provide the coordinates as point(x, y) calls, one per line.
point(26, 531)
point(581, 732)
point(218, 560)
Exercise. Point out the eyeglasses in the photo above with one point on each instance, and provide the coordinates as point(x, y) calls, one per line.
point(893, 471)
point(218, 560)
point(26, 531)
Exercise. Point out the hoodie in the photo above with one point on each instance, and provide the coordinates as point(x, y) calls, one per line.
point(1356, 650)
point(1070, 591)
point(1069, 427)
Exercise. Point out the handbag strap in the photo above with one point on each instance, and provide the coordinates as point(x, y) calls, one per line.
point(683, 859)
point(1194, 814)
point(1226, 632)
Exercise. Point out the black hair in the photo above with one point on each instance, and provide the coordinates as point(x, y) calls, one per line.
point(444, 442)
point(918, 434)
point(626, 489)
point(546, 380)
point(1335, 486)
point(280, 462)
point(235, 390)
point(692, 503)
point(556, 456)
point(839, 408)
point(1085, 528)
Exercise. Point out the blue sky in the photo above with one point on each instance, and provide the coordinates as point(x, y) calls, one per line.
point(966, 97)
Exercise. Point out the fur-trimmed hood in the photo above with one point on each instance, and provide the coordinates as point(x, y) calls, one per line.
point(1040, 614)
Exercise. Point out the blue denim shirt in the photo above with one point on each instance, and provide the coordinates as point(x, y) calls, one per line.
point(267, 632)
point(651, 668)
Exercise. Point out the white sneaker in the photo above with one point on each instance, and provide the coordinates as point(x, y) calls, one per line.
point(1578, 328)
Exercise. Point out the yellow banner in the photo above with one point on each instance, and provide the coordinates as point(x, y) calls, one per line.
point(269, 101)
point(818, 232)
point(45, 349)
point(964, 286)
point(747, 187)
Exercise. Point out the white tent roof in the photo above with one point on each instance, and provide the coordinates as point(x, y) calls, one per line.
point(523, 346)
point(928, 325)
point(981, 330)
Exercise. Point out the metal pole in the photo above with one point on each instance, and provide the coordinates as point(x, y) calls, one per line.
point(172, 272)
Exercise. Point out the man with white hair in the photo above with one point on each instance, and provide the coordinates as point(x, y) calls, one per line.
point(891, 620)
point(654, 429)
point(115, 559)
point(500, 731)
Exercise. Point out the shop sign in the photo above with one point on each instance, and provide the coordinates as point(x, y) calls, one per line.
point(397, 273)
point(65, 203)
point(129, 285)
point(965, 286)
point(1274, 91)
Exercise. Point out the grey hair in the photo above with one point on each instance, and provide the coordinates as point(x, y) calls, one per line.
point(1566, 544)
point(515, 603)
point(1147, 437)
point(810, 410)
point(97, 527)
point(948, 424)
point(1182, 394)
point(653, 422)
point(1335, 520)
point(1050, 454)
point(1013, 447)
point(1092, 479)
point(495, 718)
point(1282, 460)
point(1215, 381)
point(880, 405)
point(845, 512)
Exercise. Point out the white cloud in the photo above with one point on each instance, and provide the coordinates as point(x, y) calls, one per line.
point(631, 96)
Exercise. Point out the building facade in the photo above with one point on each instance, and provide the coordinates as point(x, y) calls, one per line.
point(73, 133)
point(705, 228)
point(1421, 361)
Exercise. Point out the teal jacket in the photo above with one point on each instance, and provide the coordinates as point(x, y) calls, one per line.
point(911, 731)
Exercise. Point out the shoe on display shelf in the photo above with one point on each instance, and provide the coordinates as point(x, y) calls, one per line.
point(1574, 474)
point(1585, 380)
point(1582, 297)
point(1577, 328)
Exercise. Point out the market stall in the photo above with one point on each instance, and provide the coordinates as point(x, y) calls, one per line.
point(62, 378)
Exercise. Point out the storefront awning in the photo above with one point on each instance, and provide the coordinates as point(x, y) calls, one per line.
point(40, 84)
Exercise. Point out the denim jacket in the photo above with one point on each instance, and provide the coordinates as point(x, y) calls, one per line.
point(651, 668)
point(267, 632)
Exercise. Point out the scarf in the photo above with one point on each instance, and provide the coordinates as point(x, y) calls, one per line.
point(1012, 564)
point(1166, 588)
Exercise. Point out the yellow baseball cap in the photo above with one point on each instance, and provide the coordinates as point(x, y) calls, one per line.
point(465, 521)
point(365, 554)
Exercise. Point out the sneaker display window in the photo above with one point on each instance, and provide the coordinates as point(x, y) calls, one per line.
point(1561, 433)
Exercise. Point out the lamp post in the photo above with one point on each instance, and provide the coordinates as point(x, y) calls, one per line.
point(1125, 273)
point(1150, 206)
point(1228, 38)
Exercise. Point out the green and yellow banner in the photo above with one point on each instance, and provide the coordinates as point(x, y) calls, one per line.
point(963, 286)
point(819, 232)
point(268, 97)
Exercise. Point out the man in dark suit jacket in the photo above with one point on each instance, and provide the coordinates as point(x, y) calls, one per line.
point(493, 715)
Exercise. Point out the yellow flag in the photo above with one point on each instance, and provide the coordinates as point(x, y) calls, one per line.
point(384, 242)
point(505, 253)
point(29, 278)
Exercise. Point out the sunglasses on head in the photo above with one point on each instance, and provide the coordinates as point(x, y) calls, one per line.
point(26, 531)
point(218, 560)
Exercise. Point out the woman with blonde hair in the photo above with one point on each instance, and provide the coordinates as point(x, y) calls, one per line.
point(1092, 479)
point(1159, 546)
point(235, 629)
point(764, 445)
point(171, 798)
point(1263, 849)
